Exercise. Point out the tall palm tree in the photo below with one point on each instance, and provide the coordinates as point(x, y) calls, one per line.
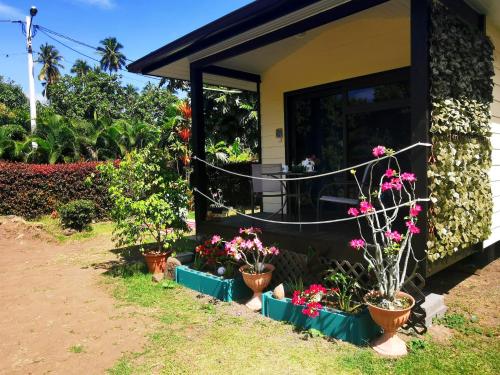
point(80, 68)
point(50, 59)
point(111, 58)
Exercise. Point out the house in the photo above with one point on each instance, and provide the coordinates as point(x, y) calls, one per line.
point(337, 77)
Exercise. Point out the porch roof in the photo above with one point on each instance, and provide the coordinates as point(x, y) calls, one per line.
point(255, 25)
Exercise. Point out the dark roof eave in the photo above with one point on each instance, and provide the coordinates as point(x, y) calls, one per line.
point(238, 21)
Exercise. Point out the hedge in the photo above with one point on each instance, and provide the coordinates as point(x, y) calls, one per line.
point(33, 190)
point(461, 65)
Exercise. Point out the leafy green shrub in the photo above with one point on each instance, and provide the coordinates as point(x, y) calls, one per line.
point(150, 199)
point(77, 214)
point(34, 190)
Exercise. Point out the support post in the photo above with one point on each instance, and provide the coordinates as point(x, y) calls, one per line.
point(420, 113)
point(198, 138)
point(31, 79)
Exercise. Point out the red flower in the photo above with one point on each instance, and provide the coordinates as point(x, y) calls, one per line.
point(297, 298)
point(184, 134)
point(312, 309)
point(185, 109)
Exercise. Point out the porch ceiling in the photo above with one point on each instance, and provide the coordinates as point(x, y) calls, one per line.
point(259, 60)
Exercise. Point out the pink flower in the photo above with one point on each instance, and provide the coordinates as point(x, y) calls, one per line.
point(390, 173)
point(410, 177)
point(215, 239)
point(353, 211)
point(274, 250)
point(394, 236)
point(378, 151)
point(365, 207)
point(386, 186)
point(357, 244)
point(415, 210)
point(412, 227)
point(396, 183)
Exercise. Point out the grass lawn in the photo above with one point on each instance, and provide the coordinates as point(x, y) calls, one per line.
point(198, 336)
point(53, 227)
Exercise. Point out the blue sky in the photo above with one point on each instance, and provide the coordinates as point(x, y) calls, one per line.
point(140, 25)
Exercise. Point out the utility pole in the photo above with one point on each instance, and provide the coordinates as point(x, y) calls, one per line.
point(31, 78)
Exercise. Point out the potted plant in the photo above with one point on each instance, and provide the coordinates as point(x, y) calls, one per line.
point(217, 211)
point(257, 273)
point(150, 204)
point(388, 248)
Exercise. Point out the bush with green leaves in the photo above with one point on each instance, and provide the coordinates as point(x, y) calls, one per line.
point(150, 199)
point(77, 214)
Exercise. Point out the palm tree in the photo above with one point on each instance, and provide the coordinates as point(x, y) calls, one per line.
point(111, 58)
point(80, 68)
point(50, 59)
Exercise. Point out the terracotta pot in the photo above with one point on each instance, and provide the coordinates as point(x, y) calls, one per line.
point(257, 282)
point(157, 263)
point(389, 344)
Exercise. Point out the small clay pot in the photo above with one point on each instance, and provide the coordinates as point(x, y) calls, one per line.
point(389, 344)
point(157, 263)
point(257, 282)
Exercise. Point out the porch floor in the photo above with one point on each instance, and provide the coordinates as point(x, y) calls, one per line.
point(329, 240)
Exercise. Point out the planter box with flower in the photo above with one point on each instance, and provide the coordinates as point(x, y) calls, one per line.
point(214, 271)
point(332, 309)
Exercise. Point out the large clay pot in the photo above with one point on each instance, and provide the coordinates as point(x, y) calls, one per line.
point(389, 344)
point(257, 282)
point(157, 263)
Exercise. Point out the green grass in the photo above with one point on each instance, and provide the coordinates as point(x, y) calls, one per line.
point(196, 336)
point(53, 227)
point(76, 349)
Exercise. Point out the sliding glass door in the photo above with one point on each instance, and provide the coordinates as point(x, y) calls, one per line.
point(340, 123)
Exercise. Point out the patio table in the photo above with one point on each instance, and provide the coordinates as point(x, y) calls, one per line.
point(286, 188)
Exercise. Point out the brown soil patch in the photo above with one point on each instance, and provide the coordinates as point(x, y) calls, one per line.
point(50, 304)
point(473, 289)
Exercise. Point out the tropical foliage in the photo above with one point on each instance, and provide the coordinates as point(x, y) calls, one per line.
point(112, 59)
point(50, 60)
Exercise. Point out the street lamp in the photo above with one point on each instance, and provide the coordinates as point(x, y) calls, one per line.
point(31, 78)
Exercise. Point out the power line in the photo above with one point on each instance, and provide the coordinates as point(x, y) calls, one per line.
point(42, 28)
point(71, 48)
point(92, 58)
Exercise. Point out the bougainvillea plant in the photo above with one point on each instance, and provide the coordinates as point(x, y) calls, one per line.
point(388, 247)
point(248, 247)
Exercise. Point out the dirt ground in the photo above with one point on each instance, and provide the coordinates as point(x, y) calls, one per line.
point(56, 316)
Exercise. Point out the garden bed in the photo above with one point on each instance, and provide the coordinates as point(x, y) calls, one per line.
point(354, 328)
point(226, 290)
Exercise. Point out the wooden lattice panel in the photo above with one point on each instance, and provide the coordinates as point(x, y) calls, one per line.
point(289, 266)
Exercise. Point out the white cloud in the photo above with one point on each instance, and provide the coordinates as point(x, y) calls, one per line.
point(10, 12)
point(105, 4)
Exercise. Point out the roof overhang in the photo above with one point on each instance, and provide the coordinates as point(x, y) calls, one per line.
point(259, 21)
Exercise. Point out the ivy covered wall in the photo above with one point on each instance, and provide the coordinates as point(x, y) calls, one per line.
point(461, 70)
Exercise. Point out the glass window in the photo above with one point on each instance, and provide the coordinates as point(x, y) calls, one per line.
point(378, 94)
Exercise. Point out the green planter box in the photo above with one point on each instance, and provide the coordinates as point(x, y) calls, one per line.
point(224, 289)
point(355, 328)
